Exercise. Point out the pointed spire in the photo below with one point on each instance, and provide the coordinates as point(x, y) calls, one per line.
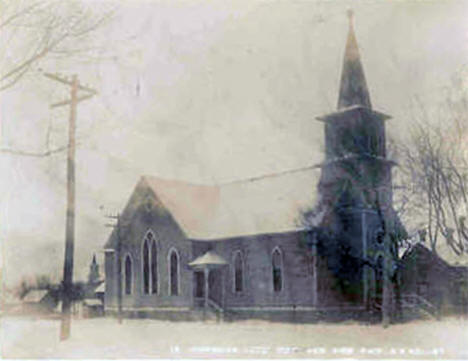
point(353, 87)
point(94, 258)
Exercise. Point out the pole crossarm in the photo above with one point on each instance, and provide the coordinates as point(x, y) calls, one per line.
point(69, 101)
point(63, 80)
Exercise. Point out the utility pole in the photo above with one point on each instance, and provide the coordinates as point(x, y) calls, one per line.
point(70, 217)
point(117, 227)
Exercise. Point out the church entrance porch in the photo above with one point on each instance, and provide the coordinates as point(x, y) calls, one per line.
point(208, 281)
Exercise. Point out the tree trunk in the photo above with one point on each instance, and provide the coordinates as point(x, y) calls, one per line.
point(386, 292)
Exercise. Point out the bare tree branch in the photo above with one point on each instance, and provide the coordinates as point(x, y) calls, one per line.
point(33, 154)
point(52, 24)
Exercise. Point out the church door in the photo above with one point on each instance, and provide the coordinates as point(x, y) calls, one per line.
point(199, 283)
point(215, 286)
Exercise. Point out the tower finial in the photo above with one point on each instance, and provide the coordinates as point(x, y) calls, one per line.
point(353, 87)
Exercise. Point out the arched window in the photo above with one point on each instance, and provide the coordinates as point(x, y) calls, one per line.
point(277, 267)
point(173, 272)
point(379, 237)
point(154, 268)
point(128, 275)
point(150, 264)
point(146, 265)
point(238, 272)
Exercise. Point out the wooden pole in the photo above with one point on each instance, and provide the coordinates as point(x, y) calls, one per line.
point(118, 262)
point(70, 218)
point(119, 272)
point(67, 289)
point(207, 273)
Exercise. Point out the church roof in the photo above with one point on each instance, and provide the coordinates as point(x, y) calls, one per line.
point(101, 288)
point(35, 296)
point(259, 206)
point(353, 86)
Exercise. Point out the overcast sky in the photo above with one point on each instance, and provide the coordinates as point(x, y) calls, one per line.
point(206, 92)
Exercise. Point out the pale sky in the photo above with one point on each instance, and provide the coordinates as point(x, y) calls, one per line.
point(206, 92)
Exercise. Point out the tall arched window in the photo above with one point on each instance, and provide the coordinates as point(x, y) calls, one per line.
point(238, 272)
point(146, 265)
point(128, 275)
point(154, 268)
point(173, 273)
point(150, 264)
point(277, 268)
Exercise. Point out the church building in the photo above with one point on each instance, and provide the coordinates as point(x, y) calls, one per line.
point(266, 247)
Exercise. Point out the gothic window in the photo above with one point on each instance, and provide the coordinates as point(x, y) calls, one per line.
point(173, 272)
point(128, 275)
point(154, 268)
point(277, 268)
point(146, 261)
point(150, 266)
point(238, 272)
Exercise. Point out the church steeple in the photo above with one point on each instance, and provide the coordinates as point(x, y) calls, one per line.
point(353, 87)
point(93, 275)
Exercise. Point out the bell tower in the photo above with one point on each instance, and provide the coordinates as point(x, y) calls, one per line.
point(355, 187)
point(356, 169)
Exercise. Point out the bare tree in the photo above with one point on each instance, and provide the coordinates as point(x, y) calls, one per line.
point(435, 171)
point(34, 31)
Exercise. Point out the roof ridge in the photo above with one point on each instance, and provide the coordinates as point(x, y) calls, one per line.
point(179, 181)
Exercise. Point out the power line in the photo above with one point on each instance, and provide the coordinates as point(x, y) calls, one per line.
point(271, 175)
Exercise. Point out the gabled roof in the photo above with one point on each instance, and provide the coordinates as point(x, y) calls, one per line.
point(422, 253)
point(193, 206)
point(101, 288)
point(35, 295)
point(211, 212)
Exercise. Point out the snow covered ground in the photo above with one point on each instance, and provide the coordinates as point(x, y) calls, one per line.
point(105, 338)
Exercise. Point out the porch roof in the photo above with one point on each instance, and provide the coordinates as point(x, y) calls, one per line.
point(208, 259)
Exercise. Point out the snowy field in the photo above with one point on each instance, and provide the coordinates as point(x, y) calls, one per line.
point(105, 338)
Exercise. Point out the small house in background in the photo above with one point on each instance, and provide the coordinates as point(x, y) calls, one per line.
point(92, 307)
point(426, 275)
point(99, 291)
point(39, 301)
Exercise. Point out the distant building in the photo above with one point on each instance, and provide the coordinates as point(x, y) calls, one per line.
point(249, 248)
point(39, 301)
point(426, 275)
